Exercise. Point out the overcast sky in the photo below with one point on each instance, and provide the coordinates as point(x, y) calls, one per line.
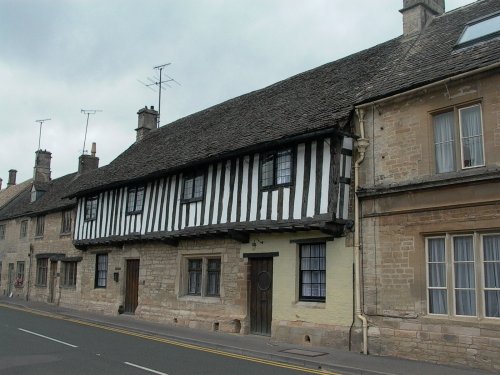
point(60, 56)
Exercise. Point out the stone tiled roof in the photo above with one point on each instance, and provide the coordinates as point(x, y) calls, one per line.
point(11, 192)
point(321, 98)
point(52, 200)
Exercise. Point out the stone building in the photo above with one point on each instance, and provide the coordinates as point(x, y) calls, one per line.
point(429, 191)
point(39, 260)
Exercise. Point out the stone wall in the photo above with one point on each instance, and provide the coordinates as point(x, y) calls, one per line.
point(395, 225)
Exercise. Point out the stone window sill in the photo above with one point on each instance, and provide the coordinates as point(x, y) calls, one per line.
point(309, 305)
point(200, 299)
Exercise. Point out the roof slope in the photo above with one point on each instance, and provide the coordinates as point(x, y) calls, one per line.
point(11, 192)
point(52, 200)
point(320, 98)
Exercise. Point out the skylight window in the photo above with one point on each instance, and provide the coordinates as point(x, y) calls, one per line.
point(479, 30)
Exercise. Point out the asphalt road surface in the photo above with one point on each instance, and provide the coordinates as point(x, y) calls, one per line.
point(33, 343)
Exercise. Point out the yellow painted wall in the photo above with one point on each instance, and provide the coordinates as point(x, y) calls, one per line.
point(338, 307)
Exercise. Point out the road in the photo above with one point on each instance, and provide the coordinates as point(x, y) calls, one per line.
point(33, 343)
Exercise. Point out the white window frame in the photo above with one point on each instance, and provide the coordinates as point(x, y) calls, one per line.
point(462, 161)
point(479, 272)
point(458, 149)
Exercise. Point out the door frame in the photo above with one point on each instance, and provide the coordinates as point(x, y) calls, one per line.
point(131, 305)
point(252, 285)
point(52, 280)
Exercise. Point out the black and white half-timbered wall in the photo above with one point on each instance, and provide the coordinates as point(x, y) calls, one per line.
point(200, 222)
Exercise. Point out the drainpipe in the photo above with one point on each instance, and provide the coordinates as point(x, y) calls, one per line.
point(362, 145)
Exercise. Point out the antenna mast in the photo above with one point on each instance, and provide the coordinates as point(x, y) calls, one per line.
point(158, 81)
point(40, 133)
point(88, 112)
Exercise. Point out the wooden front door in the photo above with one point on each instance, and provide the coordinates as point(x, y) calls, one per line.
point(10, 281)
point(261, 295)
point(52, 281)
point(132, 285)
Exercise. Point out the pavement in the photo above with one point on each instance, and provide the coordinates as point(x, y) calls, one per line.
point(313, 357)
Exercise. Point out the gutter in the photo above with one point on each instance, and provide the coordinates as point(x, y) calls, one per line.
point(431, 85)
point(362, 145)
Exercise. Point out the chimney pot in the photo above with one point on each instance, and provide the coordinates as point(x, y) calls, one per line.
point(12, 177)
point(88, 162)
point(1, 183)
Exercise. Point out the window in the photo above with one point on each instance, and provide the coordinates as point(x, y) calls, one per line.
point(69, 273)
point(478, 30)
point(91, 208)
point(0, 273)
point(41, 271)
point(470, 133)
point(40, 226)
point(135, 201)
point(454, 266)
point(203, 277)
point(2, 232)
point(101, 270)
point(276, 168)
point(66, 221)
point(193, 188)
point(23, 232)
point(313, 272)
point(19, 274)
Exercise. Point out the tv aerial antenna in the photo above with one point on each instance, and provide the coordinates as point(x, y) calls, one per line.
point(88, 112)
point(40, 133)
point(158, 81)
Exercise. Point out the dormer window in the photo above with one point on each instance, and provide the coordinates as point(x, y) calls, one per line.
point(484, 28)
point(135, 201)
point(193, 187)
point(36, 194)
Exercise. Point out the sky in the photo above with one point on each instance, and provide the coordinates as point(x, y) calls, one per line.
point(58, 57)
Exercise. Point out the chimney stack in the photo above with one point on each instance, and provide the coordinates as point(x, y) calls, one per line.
point(41, 172)
point(12, 177)
point(1, 183)
point(148, 120)
point(88, 162)
point(418, 13)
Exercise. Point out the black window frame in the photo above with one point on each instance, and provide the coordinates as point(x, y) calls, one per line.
point(2, 231)
point(91, 206)
point(273, 156)
point(42, 266)
point(68, 273)
point(134, 191)
point(40, 226)
point(191, 177)
point(195, 267)
point(101, 274)
point(481, 38)
point(66, 221)
point(310, 298)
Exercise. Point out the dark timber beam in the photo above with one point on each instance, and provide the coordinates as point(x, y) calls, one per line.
point(170, 241)
point(239, 236)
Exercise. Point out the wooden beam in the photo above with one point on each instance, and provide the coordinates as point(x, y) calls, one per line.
point(170, 241)
point(239, 236)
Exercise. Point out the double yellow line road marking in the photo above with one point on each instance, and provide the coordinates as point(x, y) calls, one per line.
point(170, 341)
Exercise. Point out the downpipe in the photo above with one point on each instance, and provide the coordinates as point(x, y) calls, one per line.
point(362, 145)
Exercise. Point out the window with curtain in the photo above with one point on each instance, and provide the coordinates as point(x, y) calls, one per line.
point(436, 270)
point(313, 272)
point(468, 130)
point(276, 168)
point(101, 270)
point(135, 199)
point(491, 259)
point(455, 264)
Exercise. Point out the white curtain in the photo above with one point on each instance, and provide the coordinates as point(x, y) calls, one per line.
point(437, 276)
point(444, 142)
point(491, 254)
point(465, 282)
point(472, 136)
